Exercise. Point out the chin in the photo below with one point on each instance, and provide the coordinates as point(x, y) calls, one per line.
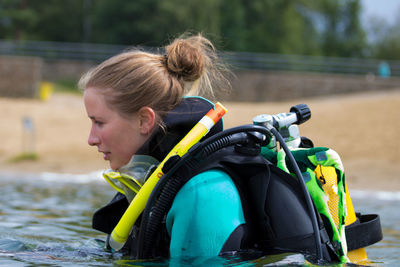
point(120, 163)
point(114, 166)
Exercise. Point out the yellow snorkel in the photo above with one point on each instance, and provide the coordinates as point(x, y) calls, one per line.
point(122, 230)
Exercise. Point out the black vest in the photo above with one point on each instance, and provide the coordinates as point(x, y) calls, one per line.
point(274, 206)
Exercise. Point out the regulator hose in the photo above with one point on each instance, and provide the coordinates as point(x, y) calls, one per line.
point(296, 170)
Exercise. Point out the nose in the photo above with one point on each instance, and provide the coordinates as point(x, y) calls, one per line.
point(93, 139)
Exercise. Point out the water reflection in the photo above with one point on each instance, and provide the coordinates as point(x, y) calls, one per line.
point(46, 220)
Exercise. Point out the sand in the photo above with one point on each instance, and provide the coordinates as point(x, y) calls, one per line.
point(362, 128)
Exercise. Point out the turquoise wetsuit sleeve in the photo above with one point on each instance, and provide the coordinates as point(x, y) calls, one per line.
point(203, 215)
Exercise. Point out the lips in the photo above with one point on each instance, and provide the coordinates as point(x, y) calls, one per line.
point(106, 155)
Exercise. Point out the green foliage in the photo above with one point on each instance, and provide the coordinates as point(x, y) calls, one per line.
point(386, 41)
point(67, 86)
point(16, 19)
point(124, 22)
point(57, 20)
point(308, 27)
point(24, 157)
point(343, 34)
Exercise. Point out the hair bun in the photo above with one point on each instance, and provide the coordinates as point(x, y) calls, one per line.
point(185, 58)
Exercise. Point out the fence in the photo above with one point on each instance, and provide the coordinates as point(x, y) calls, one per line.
point(20, 76)
point(238, 60)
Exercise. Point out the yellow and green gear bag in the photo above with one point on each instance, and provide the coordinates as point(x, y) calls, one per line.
point(323, 173)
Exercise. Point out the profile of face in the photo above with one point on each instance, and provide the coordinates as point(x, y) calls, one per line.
point(117, 137)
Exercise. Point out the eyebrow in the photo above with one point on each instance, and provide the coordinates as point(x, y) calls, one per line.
point(94, 118)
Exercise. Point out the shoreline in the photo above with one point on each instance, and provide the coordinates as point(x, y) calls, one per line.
point(362, 128)
point(388, 192)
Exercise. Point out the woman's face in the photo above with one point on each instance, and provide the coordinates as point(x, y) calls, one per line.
point(117, 137)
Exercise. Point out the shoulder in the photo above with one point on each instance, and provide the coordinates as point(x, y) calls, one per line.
point(204, 214)
point(210, 184)
point(210, 196)
point(207, 193)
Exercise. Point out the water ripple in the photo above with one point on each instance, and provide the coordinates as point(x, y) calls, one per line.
point(45, 219)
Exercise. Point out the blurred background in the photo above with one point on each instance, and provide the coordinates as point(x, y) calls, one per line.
point(261, 40)
point(341, 57)
point(281, 52)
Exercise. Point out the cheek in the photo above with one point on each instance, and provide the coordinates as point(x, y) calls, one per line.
point(129, 144)
point(109, 138)
point(122, 143)
point(105, 136)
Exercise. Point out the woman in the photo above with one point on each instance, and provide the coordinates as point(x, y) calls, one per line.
point(136, 102)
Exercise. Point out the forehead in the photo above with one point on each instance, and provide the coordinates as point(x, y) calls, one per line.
point(97, 106)
point(95, 102)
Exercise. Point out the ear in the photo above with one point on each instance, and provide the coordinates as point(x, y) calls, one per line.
point(147, 120)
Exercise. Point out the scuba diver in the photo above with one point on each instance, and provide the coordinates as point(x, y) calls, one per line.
point(188, 188)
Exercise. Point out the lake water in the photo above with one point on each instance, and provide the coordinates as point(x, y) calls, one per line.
point(45, 219)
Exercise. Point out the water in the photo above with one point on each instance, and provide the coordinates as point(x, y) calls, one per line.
point(387, 205)
point(45, 219)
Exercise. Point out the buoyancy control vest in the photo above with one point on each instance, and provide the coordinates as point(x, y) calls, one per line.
point(274, 206)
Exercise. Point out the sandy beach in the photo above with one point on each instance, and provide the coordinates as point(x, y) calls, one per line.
point(362, 128)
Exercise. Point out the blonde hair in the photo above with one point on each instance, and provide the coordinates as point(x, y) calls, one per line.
point(135, 79)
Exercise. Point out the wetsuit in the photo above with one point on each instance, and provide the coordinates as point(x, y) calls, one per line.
point(209, 199)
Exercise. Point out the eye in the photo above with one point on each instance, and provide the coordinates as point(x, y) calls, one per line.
point(98, 123)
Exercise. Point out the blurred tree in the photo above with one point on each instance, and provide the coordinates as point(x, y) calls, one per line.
point(152, 22)
point(342, 32)
point(354, 36)
point(16, 19)
point(279, 27)
point(384, 39)
point(126, 22)
point(309, 27)
point(180, 16)
point(41, 20)
point(233, 25)
point(58, 20)
point(389, 46)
